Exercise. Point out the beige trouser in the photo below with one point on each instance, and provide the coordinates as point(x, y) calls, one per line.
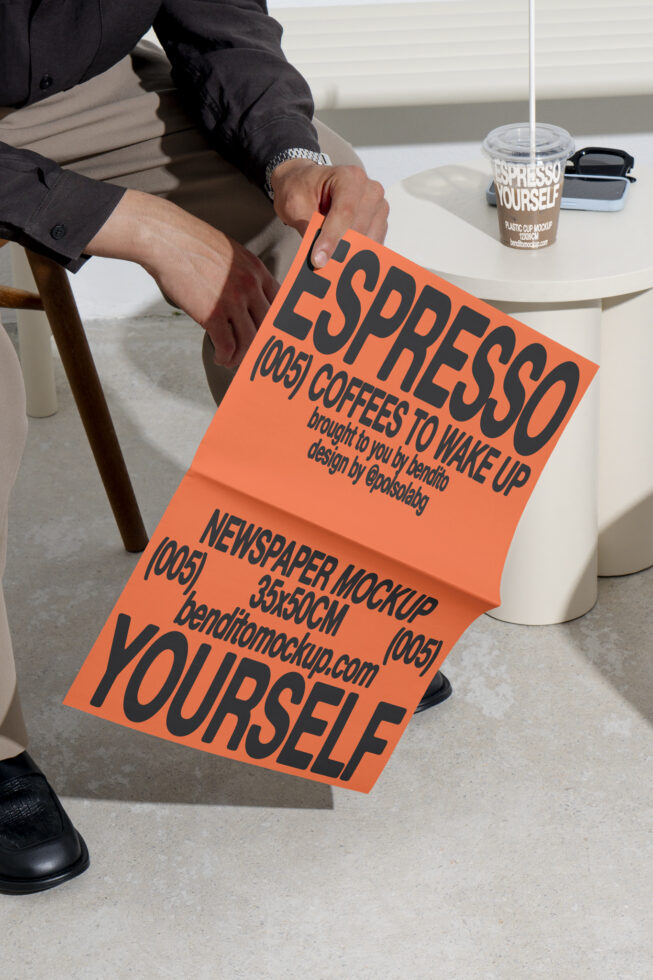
point(128, 126)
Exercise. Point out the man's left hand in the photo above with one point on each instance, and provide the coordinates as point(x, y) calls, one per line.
point(345, 195)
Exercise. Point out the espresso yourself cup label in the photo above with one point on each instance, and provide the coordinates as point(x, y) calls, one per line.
point(528, 202)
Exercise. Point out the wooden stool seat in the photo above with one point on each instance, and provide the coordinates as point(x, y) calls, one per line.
point(55, 298)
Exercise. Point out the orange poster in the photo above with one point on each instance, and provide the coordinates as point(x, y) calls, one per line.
point(345, 518)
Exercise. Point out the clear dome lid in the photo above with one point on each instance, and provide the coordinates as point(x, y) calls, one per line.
point(512, 143)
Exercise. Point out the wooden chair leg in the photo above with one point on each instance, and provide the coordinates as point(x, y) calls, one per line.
point(70, 338)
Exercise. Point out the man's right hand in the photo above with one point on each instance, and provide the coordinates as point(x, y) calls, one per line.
point(211, 277)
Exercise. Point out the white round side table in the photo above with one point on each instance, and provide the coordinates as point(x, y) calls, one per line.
point(592, 290)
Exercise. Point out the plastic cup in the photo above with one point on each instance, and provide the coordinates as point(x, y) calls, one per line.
point(529, 187)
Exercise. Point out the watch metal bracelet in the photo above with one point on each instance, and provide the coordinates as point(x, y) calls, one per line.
point(295, 153)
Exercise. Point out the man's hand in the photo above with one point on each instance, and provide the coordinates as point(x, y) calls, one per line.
point(346, 195)
point(217, 282)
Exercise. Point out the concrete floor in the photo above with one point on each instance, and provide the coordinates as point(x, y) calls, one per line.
point(509, 837)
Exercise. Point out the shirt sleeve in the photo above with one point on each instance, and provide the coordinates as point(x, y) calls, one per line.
point(51, 210)
point(227, 61)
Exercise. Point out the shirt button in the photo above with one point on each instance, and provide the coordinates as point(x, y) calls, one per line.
point(58, 231)
point(46, 81)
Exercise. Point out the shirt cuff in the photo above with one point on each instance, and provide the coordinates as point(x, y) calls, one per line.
point(279, 134)
point(69, 215)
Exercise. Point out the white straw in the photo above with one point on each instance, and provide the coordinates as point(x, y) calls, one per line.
point(531, 73)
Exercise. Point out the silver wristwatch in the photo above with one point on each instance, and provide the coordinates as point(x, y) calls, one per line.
point(296, 153)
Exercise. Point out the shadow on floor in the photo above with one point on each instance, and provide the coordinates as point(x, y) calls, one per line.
point(620, 647)
point(64, 576)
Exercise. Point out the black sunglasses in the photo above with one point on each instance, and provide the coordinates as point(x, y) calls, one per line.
point(599, 161)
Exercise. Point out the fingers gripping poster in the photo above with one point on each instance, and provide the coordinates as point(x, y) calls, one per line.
point(345, 518)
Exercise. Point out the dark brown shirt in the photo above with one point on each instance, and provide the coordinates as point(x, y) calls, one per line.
point(226, 61)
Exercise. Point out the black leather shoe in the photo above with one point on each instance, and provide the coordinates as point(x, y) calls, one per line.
point(39, 847)
point(438, 691)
